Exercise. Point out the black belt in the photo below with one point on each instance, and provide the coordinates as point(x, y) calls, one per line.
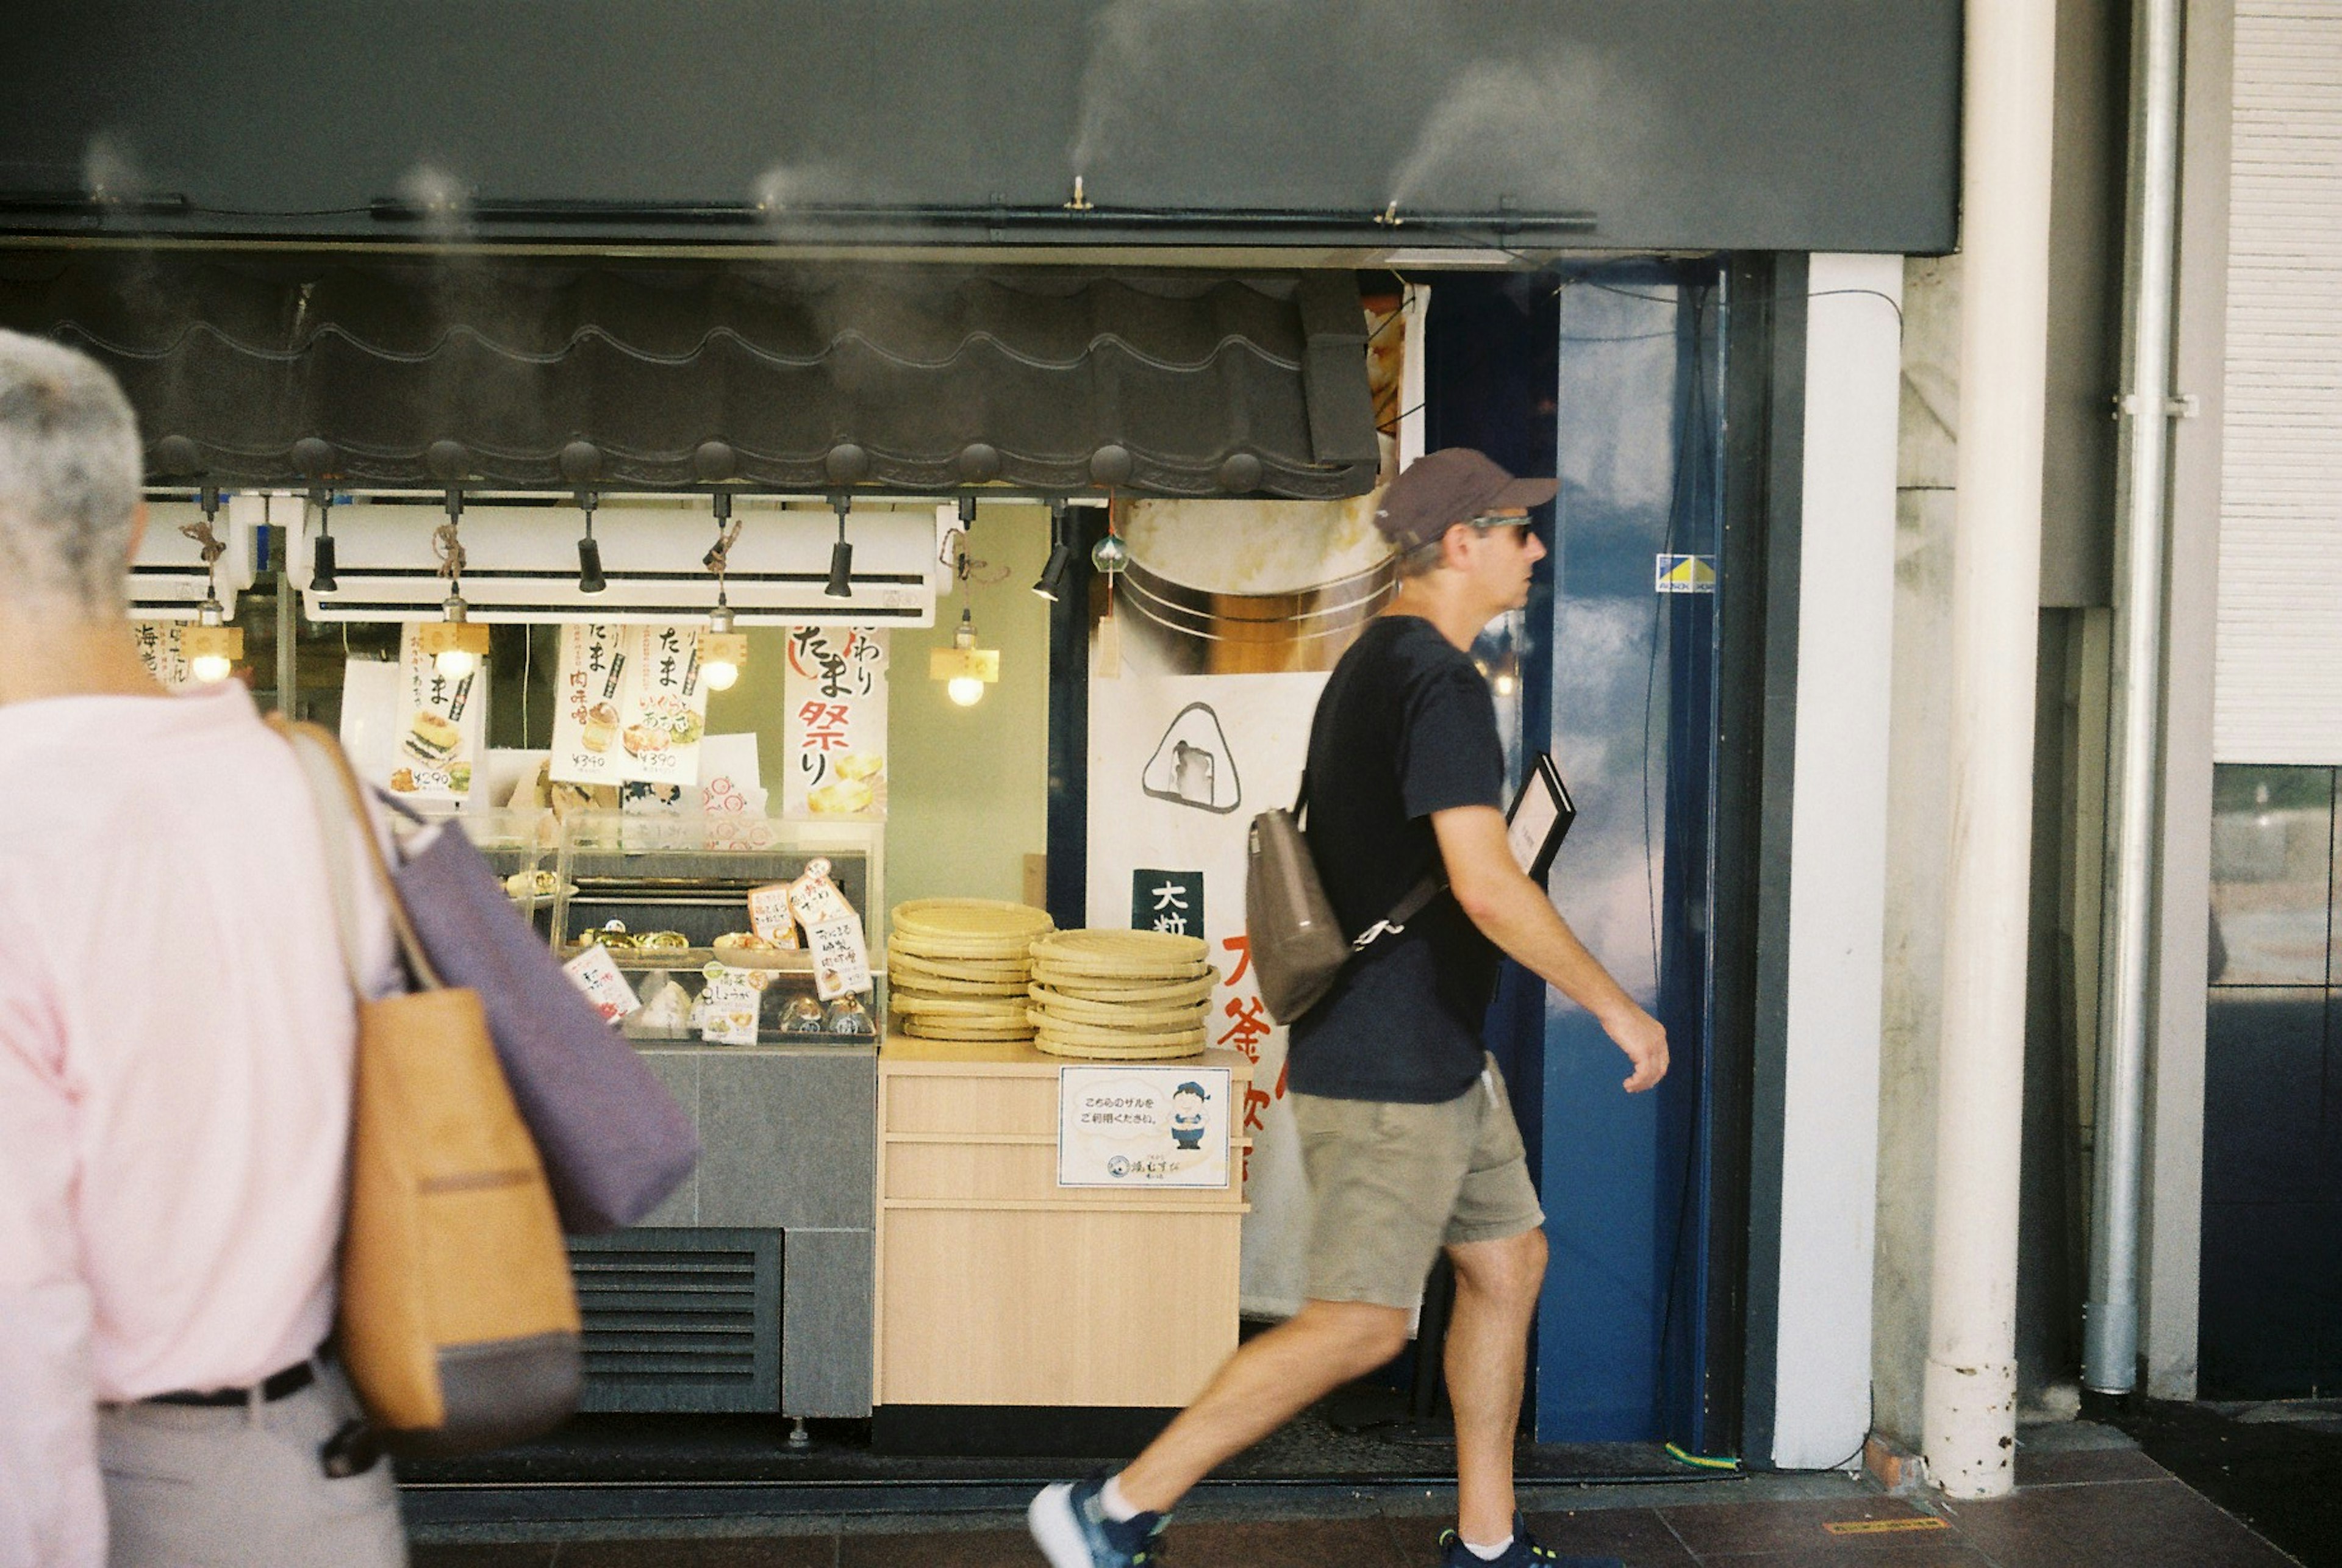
point(275, 1386)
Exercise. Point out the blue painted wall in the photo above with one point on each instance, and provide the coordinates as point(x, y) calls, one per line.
point(1610, 378)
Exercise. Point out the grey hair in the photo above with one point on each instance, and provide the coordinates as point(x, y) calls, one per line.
point(70, 470)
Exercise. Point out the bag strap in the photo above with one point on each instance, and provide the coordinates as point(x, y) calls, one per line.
point(1418, 897)
point(340, 801)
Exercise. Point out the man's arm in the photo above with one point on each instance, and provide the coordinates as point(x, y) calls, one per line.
point(1515, 913)
point(52, 1509)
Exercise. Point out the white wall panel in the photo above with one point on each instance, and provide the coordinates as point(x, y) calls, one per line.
point(2278, 677)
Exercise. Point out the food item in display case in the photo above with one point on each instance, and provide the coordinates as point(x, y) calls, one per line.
point(538, 884)
point(848, 1016)
point(661, 941)
point(744, 942)
point(596, 974)
point(667, 1006)
point(612, 934)
point(802, 1015)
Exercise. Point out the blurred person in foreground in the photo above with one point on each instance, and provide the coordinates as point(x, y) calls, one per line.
point(1407, 1137)
point(176, 1034)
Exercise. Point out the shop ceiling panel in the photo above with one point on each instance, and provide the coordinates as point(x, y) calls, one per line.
point(1803, 124)
point(415, 372)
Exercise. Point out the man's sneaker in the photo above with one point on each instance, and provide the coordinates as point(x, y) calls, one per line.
point(1070, 1526)
point(1524, 1553)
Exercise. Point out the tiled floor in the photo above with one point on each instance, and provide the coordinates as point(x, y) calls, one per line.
point(2109, 1506)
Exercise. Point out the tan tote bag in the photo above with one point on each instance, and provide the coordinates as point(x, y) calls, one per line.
point(458, 1324)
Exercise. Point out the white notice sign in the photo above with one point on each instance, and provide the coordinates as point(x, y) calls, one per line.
point(1143, 1126)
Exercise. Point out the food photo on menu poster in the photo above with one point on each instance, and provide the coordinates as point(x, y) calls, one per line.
point(441, 723)
point(632, 707)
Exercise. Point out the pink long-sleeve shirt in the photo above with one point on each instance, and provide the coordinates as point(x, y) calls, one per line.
point(176, 1057)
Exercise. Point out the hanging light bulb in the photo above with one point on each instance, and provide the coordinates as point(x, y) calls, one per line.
point(589, 554)
point(964, 668)
point(212, 646)
point(722, 650)
point(1061, 555)
point(841, 554)
point(1110, 554)
point(457, 643)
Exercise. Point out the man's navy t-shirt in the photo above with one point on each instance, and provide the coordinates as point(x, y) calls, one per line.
point(1405, 728)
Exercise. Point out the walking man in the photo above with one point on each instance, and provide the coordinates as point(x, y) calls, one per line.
point(1407, 1138)
point(176, 1037)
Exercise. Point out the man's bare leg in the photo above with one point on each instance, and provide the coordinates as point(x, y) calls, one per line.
point(1497, 1285)
point(1271, 1378)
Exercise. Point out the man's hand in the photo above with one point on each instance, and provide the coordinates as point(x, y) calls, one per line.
point(1644, 1038)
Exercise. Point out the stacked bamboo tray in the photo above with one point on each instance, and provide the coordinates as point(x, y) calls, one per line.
point(1119, 995)
point(961, 968)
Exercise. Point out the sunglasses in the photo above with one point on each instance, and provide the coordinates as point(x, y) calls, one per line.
point(1524, 529)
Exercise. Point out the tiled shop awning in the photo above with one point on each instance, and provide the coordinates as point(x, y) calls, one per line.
point(527, 375)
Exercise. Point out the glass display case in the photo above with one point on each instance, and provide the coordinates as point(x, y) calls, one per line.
point(665, 896)
point(522, 848)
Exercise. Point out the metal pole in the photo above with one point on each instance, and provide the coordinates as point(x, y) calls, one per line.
point(1968, 1420)
point(288, 692)
point(2110, 1315)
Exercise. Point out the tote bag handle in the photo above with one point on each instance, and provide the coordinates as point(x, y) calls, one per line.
point(341, 808)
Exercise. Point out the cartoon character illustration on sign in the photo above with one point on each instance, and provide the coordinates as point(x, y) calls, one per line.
point(1187, 1116)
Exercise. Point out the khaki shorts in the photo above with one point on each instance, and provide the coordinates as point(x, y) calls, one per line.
point(1391, 1183)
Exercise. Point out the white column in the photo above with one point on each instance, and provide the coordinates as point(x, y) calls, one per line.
point(1837, 858)
point(1969, 1419)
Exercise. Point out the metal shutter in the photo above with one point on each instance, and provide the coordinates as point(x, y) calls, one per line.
point(2279, 672)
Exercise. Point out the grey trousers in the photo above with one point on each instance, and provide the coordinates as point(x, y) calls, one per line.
point(240, 1486)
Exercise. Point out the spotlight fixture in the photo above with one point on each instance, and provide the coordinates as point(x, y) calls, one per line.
point(455, 643)
point(321, 554)
point(966, 512)
point(964, 668)
point(211, 645)
point(1061, 555)
point(589, 554)
point(722, 650)
point(841, 554)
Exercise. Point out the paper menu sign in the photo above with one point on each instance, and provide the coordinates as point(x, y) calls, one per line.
point(841, 957)
point(159, 650)
point(631, 708)
point(834, 712)
point(441, 724)
point(1143, 1126)
point(598, 974)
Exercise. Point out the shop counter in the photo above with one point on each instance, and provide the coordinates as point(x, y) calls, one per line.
point(999, 1290)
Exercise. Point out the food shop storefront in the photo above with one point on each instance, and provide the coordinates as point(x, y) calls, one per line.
point(740, 573)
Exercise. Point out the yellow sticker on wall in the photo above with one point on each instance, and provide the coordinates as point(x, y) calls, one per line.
point(1883, 1526)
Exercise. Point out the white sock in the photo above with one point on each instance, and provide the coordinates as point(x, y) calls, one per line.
point(1488, 1553)
point(1115, 1505)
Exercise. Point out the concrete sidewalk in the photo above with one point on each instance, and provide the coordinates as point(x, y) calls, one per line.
point(2086, 1496)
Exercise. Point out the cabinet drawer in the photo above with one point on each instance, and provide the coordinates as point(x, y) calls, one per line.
point(979, 1174)
point(929, 1103)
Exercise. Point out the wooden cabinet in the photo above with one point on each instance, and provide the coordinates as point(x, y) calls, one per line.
point(999, 1287)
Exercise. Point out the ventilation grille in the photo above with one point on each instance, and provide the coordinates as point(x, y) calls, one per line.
point(681, 1320)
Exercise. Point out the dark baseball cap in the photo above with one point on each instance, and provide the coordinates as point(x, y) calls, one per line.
point(1452, 485)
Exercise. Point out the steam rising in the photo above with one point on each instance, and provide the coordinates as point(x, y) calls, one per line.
point(1547, 131)
point(444, 201)
point(110, 170)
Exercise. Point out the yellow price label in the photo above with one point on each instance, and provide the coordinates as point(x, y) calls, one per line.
point(1883, 1526)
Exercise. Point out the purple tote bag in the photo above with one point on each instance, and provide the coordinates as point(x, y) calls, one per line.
point(614, 1141)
